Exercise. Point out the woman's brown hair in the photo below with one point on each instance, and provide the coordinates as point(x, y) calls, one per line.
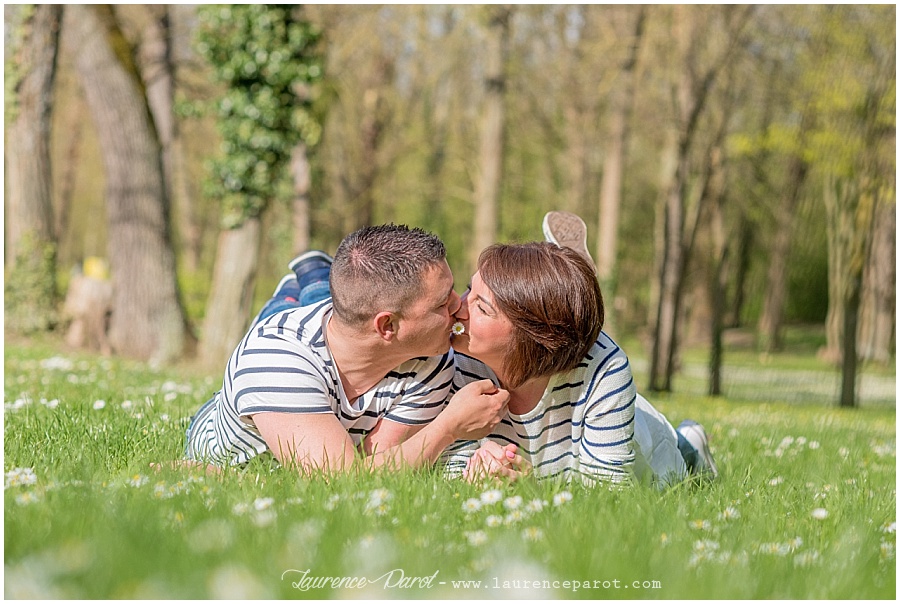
point(551, 296)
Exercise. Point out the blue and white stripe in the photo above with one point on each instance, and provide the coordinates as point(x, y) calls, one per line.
point(283, 365)
point(582, 427)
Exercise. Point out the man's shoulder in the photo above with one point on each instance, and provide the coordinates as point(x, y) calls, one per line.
point(417, 365)
point(304, 323)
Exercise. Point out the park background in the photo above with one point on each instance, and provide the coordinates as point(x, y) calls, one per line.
point(735, 166)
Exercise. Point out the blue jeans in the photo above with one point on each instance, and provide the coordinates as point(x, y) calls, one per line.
point(292, 295)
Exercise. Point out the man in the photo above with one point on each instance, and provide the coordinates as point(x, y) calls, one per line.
point(367, 370)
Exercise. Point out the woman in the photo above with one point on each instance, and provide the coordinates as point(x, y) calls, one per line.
point(531, 322)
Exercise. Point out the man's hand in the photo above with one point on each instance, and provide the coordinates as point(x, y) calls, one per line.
point(474, 411)
point(492, 460)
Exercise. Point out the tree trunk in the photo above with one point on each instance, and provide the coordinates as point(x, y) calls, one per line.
point(775, 300)
point(852, 208)
point(147, 320)
point(490, 157)
point(30, 234)
point(231, 295)
point(878, 320)
point(848, 344)
point(360, 184)
point(662, 363)
point(613, 167)
point(672, 263)
point(680, 220)
point(158, 73)
point(743, 247)
point(835, 197)
point(300, 203)
point(718, 274)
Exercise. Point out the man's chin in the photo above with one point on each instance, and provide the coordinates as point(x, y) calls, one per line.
point(459, 343)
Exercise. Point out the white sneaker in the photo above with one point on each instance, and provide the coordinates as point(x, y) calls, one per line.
point(567, 230)
point(321, 257)
point(696, 435)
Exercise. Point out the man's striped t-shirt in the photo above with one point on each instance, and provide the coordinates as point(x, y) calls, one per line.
point(283, 365)
point(583, 426)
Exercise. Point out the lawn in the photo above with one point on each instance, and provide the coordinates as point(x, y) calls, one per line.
point(805, 507)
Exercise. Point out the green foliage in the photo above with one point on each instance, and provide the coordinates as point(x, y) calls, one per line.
point(850, 74)
point(30, 288)
point(13, 73)
point(805, 507)
point(267, 58)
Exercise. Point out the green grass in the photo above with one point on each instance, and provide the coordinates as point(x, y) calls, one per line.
point(96, 522)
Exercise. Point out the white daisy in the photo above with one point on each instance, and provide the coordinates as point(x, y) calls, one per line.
point(492, 496)
point(561, 498)
point(512, 503)
point(471, 505)
point(476, 538)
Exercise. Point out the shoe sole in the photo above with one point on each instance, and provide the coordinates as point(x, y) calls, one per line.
point(310, 254)
point(567, 230)
point(705, 452)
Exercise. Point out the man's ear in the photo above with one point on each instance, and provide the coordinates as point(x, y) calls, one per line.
point(386, 325)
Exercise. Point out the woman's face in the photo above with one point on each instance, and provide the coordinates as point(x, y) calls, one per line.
point(489, 334)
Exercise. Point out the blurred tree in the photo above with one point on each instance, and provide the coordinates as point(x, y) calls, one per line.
point(695, 73)
point(779, 151)
point(262, 54)
point(158, 71)
point(493, 122)
point(877, 323)
point(147, 318)
point(31, 243)
point(853, 143)
point(622, 106)
point(361, 109)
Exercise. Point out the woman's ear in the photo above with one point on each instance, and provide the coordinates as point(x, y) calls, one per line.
point(386, 325)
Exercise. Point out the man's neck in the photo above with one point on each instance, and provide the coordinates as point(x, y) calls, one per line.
point(362, 359)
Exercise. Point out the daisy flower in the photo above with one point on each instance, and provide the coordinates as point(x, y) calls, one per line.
point(471, 505)
point(492, 496)
point(458, 329)
point(512, 503)
point(476, 538)
point(532, 533)
point(561, 498)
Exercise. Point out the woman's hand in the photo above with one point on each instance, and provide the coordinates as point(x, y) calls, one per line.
point(493, 461)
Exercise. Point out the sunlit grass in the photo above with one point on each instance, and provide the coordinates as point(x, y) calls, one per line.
point(804, 508)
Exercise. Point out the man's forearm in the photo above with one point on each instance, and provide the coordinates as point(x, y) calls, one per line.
point(421, 449)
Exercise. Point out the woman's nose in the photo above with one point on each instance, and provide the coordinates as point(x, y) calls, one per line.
point(463, 311)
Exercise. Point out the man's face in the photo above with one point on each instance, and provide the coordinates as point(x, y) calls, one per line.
point(425, 327)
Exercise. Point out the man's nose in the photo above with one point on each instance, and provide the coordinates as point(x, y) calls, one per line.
point(455, 303)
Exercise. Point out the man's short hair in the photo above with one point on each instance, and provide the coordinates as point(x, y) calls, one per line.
point(551, 296)
point(381, 268)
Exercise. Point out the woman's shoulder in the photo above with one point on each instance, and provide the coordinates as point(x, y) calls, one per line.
point(469, 369)
point(606, 351)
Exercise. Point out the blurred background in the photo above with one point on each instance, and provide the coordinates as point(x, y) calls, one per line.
point(735, 165)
